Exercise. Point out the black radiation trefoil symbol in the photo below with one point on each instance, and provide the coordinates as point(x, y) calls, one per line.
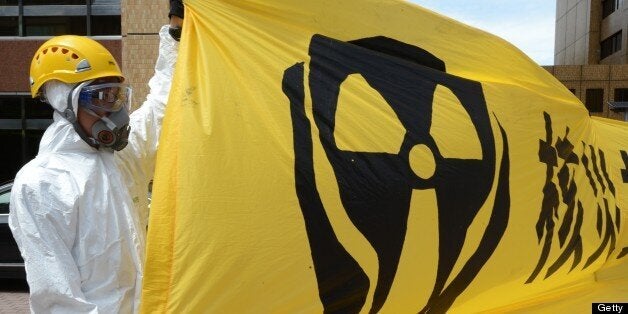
point(406, 77)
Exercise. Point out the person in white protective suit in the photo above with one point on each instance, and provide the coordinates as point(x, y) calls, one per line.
point(79, 210)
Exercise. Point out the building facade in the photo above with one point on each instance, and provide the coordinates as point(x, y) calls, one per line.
point(591, 53)
point(128, 28)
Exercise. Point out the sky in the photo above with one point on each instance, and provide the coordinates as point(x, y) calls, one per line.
point(528, 24)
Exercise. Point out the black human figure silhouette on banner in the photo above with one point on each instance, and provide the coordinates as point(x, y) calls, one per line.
point(376, 188)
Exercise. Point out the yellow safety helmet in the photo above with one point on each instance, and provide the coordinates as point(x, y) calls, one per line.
point(71, 59)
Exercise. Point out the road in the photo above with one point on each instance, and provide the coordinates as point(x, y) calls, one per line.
point(13, 296)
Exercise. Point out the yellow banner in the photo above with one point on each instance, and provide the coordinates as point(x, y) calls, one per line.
point(372, 156)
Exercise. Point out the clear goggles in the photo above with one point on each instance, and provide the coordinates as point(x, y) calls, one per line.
point(109, 97)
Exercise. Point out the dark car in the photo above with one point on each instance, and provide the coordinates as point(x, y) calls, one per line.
point(11, 262)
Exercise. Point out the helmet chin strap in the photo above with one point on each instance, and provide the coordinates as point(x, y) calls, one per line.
point(72, 117)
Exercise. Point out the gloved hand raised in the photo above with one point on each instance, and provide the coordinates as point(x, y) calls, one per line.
point(176, 8)
point(176, 15)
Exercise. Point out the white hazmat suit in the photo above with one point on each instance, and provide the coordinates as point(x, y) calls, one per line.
point(79, 215)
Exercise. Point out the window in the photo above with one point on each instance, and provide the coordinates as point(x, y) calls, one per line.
point(12, 158)
point(106, 25)
point(611, 45)
point(621, 94)
point(595, 100)
point(59, 17)
point(9, 26)
point(5, 198)
point(22, 124)
point(52, 2)
point(609, 6)
point(34, 108)
point(10, 108)
point(54, 25)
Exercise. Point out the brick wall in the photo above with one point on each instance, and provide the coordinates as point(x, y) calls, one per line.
point(16, 66)
point(583, 77)
point(141, 21)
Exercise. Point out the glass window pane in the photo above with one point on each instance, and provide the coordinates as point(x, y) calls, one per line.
point(105, 2)
point(595, 100)
point(12, 159)
point(5, 198)
point(49, 2)
point(621, 94)
point(106, 25)
point(9, 26)
point(608, 7)
point(36, 109)
point(8, 2)
point(610, 45)
point(10, 107)
point(54, 25)
point(33, 137)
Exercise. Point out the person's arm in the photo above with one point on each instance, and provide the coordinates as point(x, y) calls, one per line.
point(176, 15)
point(43, 220)
point(137, 160)
point(139, 156)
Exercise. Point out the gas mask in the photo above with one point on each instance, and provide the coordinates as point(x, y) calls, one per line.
point(109, 102)
point(113, 100)
point(113, 131)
